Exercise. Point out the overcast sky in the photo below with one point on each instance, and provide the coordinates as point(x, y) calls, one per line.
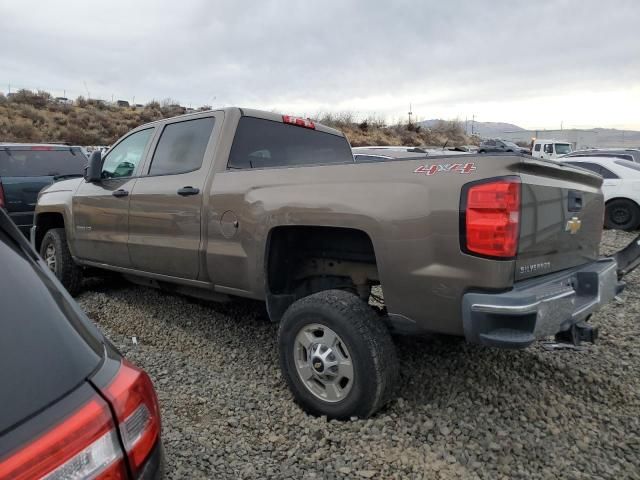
point(532, 63)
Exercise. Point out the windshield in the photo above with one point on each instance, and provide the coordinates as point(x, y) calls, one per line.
point(563, 148)
point(41, 163)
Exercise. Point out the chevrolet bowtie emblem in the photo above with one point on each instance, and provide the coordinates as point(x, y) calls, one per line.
point(573, 225)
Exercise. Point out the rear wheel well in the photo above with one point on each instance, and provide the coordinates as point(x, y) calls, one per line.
point(45, 222)
point(302, 260)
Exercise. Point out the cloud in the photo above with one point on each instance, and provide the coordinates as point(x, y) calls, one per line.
point(446, 58)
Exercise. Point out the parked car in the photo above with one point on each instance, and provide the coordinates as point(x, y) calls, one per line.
point(25, 169)
point(550, 149)
point(500, 146)
point(631, 154)
point(244, 203)
point(383, 153)
point(71, 406)
point(620, 186)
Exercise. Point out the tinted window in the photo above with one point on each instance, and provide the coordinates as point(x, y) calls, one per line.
point(123, 159)
point(548, 148)
point(537, 147)
point(594, 167)
point(263, 143)
point(35, 163)
point(606, 173)
point(181, 147)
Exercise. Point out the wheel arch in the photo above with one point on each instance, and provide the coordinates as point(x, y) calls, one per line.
point(304, 259)
point(622, 198)
point(44, 222)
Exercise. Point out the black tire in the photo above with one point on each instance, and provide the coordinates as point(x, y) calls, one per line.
point(367, 341)
point(622, 214)
point(481, 151)
point(64, 268)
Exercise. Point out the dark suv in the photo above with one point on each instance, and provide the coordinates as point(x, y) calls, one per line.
point(70, 405)
point(497, 146)
point(25, 169)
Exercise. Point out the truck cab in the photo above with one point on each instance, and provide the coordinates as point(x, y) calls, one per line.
point(550, 149)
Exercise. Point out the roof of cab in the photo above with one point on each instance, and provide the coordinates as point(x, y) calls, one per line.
point(248, 112)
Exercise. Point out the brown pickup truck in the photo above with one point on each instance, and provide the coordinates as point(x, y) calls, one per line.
point(501, 249)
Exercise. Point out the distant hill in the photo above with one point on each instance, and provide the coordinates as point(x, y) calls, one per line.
point(27, 116)
point(484, 129)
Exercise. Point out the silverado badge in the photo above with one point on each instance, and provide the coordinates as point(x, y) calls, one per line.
point(573, 225)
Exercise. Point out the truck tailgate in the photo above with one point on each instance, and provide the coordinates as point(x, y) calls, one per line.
point(561, 218)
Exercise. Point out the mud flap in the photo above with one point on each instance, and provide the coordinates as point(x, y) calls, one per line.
point(628, 259)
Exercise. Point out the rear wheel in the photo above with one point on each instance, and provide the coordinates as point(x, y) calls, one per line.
point(337, 355)
point(55, 252)
point(622, 214)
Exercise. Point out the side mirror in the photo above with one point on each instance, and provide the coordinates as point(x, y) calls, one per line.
point(93, 171)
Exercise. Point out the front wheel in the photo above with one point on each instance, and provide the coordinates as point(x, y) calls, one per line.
point(337, 356)
point(55, 252)
point(622, 214)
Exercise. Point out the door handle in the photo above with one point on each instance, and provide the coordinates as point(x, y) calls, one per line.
point(186, 191)
point(120, 193)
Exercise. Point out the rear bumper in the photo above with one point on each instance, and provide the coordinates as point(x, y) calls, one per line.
point(539, 307)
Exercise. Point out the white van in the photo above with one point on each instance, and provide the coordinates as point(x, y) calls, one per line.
point(550, 149)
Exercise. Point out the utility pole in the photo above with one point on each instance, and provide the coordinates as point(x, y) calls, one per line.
point(410, 113)
point(466, 124)
point(473, 121)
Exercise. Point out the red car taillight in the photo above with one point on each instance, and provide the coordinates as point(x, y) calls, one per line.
point(86, 444)
point(491, 218)
point(134, 401)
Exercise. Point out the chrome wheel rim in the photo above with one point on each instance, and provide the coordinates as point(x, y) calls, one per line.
point(323, 363)
point(50, 257)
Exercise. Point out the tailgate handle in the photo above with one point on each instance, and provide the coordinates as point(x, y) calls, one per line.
point(575, 201)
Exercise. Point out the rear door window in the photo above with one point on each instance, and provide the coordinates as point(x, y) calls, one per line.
point(537, 147)
point(261, 143)
point(181, 147)
point(41, 162)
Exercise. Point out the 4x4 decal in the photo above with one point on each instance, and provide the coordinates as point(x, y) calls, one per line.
point(446, 167)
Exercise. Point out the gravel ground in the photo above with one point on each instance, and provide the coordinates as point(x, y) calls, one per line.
point(462, 411)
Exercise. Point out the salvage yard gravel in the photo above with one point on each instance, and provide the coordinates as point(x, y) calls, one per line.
point(462, 411)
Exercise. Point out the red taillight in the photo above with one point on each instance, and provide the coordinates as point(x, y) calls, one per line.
point(84, 445)
point(300, 122)
point(492, 218)
point(3, 202)
point(134, 401)
point(41, 148)
point(87, 444)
